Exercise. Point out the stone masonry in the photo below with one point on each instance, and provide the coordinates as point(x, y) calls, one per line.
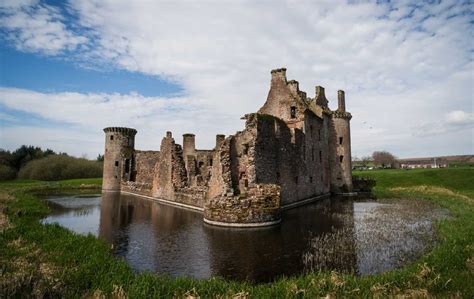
point(291, 151)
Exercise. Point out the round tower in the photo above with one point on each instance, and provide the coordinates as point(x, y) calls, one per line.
point(118, 156)
point(341, 120)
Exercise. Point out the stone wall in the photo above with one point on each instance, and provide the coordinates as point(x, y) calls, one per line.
point(136, 187)
point(145, 162)
point(260, 204)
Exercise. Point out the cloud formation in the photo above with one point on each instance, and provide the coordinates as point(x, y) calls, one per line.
point(403, 66)
point(35, 27)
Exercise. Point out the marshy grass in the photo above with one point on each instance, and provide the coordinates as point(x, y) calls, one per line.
point(375, 237)
point(39, 260)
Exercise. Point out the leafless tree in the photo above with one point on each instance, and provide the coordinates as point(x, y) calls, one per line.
point(365, 160)
point(384, 159)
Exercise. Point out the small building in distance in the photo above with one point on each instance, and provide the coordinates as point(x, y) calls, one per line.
point(292, 151)
point(434, 162)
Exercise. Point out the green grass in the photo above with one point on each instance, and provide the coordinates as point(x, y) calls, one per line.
point(456, 179)
point(51, 261)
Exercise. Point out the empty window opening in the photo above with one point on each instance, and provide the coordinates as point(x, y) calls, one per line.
point(127, 165)
point(246, 183)
point(116, 163)
point(210, 162)
point(133, 171)
point(246, 149)
point(311, 130)
point(111, 137)
point(296, 180)
point(293, 112)
point(341, 158)
point(320, 156)
point(310, 179)
point(340, 140)
point(278, 175)
point(201, 164)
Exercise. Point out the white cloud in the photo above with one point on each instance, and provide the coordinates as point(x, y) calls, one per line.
point(402, 66)
point(35, 27)
point(459, 117)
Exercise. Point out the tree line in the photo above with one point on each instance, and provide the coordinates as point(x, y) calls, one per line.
point(31, 162)
point(382, 159)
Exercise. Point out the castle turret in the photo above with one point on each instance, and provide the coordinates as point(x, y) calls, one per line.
point(118, 157)
point(342, 162)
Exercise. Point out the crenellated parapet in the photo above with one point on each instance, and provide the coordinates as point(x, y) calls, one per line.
point(121, 130)
point(279, 70)
point(341, 114)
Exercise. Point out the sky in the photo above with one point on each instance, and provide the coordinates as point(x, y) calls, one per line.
point(68, 69)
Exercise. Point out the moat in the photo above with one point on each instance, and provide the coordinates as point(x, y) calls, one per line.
point(341, 235)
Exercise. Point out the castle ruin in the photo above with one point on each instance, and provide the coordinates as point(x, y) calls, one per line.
point(294, 150)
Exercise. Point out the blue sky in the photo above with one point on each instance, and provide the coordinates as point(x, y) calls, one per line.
point(41, 73)
point(70, 68)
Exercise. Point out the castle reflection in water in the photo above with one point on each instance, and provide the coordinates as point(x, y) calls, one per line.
point(165, 239)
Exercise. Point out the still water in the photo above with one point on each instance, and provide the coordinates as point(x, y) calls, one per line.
point(342, 235)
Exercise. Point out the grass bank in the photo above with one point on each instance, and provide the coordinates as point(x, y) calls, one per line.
point(47, 260)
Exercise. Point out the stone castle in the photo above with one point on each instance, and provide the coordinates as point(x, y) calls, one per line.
point(294, 150)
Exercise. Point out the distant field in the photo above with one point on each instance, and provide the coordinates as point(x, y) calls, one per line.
point(457, 179)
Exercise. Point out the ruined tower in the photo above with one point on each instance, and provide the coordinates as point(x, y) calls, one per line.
point(118, 157)
point(342, 164)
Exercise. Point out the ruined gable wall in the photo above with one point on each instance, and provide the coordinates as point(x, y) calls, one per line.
point(285, 156)
point(170, 172)
point(234, 195)
point(282, 96)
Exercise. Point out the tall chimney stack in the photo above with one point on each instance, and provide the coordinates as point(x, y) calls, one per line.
point(341, 101)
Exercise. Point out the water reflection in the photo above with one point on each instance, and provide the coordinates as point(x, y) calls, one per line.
point(165, 239)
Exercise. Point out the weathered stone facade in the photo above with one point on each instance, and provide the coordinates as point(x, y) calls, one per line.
point(292, 150)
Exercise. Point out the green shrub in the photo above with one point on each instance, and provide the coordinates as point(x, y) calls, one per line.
point(60, 167)
point(7, 172)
